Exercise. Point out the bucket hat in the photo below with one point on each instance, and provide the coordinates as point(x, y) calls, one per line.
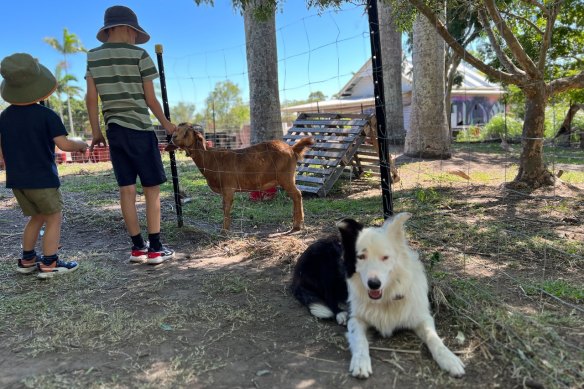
point(118, 15)
point(26, 81)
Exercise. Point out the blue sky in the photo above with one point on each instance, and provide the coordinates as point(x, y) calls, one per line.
point(202, 44)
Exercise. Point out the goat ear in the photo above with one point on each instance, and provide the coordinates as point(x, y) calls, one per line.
point(190, 137)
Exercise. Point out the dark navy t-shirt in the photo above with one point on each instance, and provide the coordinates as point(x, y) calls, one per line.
point(26, 138)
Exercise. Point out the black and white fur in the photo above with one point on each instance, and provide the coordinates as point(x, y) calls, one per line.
point(376, 272)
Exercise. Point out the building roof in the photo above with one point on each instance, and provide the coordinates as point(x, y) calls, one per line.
point(358, 91)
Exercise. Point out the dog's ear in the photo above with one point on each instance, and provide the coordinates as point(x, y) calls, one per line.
point(350, 230)
point(395, 226)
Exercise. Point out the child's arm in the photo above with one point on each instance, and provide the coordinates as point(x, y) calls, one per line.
point(91, 100)
point(67, 144)
point(155, 106)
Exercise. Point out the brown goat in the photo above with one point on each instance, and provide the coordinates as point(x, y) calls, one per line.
point(258, 167)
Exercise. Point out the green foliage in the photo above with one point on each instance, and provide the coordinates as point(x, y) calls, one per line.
point(316, 96)
point(558, 288)
point(225, 107)
point(502, 126)
point(183, 112)
point(262, 11)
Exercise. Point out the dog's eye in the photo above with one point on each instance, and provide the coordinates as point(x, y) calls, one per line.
point(385, 258)
point(361, 256)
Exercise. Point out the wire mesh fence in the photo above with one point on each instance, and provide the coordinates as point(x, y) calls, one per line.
point(508, 263)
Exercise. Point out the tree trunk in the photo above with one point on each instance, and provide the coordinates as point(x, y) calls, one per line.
point(428, 136)
point(532, 172)
point(450, 71)
point(60, 108)
point(262, 67)
point(391, 52)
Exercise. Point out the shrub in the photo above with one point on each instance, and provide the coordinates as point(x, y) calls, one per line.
point(498, 127)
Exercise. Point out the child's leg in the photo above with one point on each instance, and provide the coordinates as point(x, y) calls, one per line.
point(157, 253)
point(51, 265)
point(31, 232)
point(28, 262)
point(129, 212)
point(52, 235)
point(152, 195)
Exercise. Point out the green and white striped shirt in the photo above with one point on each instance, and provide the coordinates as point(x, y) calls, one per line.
point(118, 70)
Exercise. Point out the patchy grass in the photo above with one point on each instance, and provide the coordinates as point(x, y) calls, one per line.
point(559, 288)
point(505, 267)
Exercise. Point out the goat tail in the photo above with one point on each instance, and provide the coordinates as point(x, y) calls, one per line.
point(300, 147)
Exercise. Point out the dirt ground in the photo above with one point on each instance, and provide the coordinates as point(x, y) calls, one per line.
point(219, 315)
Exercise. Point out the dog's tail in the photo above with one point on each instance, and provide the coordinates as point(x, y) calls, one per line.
point(321, 311)
point(300, 147)
point(315, 305)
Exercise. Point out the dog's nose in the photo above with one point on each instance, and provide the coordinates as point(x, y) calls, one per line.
point(373, 283)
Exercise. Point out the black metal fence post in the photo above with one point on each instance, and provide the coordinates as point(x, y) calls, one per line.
point(177, 200)
point(379, 100)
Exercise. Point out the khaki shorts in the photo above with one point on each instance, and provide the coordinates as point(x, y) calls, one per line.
point(39, 201)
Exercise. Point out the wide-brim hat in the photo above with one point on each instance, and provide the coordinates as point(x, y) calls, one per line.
point(26, 81)
point(118, 15)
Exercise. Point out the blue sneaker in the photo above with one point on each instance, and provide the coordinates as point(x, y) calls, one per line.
point(27, 266)
point(51, 268)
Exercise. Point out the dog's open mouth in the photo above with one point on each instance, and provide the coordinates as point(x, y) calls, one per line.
point(375, 294)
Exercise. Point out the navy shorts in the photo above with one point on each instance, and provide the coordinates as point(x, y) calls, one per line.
point(134, 154)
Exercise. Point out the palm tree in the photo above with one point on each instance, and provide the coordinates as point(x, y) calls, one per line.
point(69, 45)
point(64, 87)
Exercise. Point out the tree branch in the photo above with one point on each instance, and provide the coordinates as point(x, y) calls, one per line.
point(505, 60)
point(450, 41)
point(538, 5)
point(565, 83)
point(525, 20)
point(516, 49)
point(547, 36)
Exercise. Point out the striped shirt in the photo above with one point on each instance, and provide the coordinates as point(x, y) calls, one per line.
point(118, 70)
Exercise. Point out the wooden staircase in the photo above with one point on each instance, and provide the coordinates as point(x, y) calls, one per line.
point(338, 137)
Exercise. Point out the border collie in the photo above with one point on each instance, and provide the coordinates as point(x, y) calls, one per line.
point(380, 277)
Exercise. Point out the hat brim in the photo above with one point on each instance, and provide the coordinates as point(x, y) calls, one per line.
point(37, 90)
point(142, 37)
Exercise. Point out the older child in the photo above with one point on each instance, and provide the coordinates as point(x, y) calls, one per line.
point(120, 74)
point(28, 135)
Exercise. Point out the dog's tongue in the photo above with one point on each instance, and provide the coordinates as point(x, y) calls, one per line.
point(375, 294)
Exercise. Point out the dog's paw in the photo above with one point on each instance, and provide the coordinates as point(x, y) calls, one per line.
point(450, 363)
point(342, 318)
point(360, 366)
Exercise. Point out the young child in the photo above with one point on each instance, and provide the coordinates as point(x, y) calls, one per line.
point(28, 135)
point(120, 74)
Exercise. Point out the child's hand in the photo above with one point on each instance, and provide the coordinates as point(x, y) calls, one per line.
point(82, 146)
point(98, 140)
point(170, 128)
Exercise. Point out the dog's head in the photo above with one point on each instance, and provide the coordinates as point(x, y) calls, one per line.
point(186, 137)
point(374, 253)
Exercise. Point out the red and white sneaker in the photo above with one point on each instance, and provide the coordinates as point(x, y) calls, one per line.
point(139, 255)
point(156, 257)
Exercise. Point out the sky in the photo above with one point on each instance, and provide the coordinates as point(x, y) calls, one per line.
point(202, 45)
